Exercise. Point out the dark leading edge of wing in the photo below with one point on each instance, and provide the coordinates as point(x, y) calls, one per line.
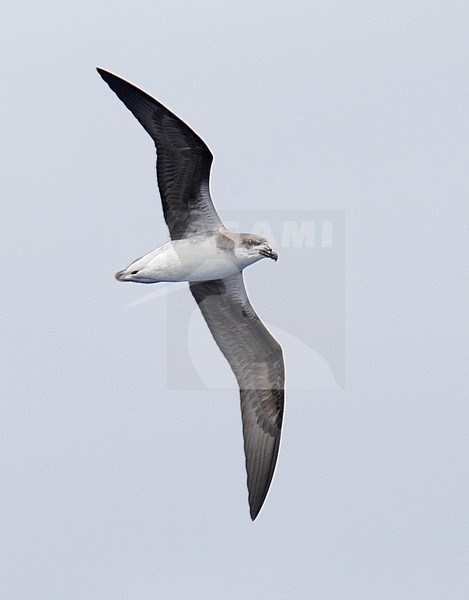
point(183, 162)
point(257, 361)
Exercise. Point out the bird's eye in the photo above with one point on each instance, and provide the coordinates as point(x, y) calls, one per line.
point(134, 272)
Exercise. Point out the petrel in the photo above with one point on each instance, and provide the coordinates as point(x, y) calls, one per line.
point(211, 258)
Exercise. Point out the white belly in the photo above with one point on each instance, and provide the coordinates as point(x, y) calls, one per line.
point(183, 260)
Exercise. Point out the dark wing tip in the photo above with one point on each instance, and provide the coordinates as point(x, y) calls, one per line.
point(121, 86)
point(255, 509)
point(257, 497)
point(116, 83)
point(104, 74)
point(146, 108)
point(110, 77)
point(256, 502)
point(260, 476)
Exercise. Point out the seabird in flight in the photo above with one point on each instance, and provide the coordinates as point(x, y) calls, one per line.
point(211, 258)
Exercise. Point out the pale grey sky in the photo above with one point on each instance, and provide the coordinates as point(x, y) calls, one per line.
point(118, 488)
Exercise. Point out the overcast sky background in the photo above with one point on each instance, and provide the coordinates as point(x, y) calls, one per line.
point(117, 488)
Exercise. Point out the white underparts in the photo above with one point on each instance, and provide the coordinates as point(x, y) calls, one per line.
point(192, 259)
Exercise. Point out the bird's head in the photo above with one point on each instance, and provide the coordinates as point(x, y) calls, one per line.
point(253, 247)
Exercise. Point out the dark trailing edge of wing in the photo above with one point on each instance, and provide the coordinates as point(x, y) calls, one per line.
point(257, 361)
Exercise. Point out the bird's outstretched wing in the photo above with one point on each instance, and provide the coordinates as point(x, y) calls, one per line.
point(183, 162)
point(257, 361)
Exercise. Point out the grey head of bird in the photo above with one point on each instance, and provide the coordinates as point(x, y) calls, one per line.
point(252, 247)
